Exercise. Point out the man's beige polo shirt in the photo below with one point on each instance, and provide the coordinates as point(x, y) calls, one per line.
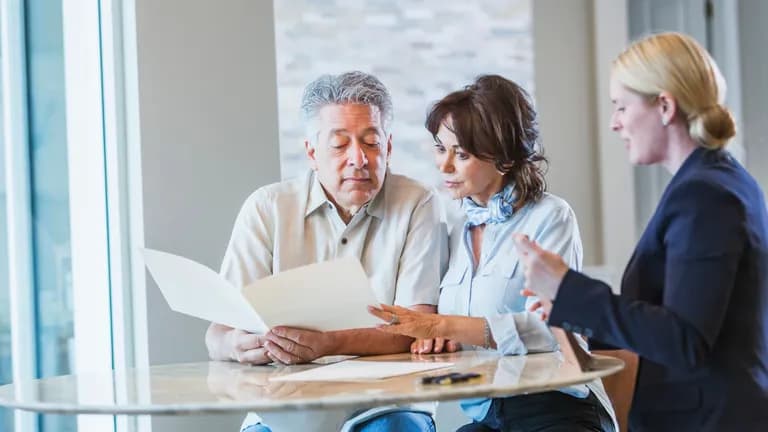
point(398, 237)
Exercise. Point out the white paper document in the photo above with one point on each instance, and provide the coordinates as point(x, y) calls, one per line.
point(356, 370)
point(331, 295)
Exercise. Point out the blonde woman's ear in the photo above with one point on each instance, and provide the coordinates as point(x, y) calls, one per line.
point(668, 107)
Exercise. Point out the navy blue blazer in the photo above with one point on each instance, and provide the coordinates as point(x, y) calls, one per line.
point(693, 305)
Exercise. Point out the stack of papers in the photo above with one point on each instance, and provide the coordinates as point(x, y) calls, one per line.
point(331, 295)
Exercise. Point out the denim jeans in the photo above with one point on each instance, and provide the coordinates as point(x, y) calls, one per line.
point(398, 421)
point(258, 427)
point(552, 411)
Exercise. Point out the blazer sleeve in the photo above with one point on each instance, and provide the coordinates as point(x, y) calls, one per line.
point(703, 234)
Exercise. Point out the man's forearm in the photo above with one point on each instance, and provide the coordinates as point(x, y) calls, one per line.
point(368, 341)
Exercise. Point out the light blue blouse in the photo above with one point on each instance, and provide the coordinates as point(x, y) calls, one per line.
point(492, 289)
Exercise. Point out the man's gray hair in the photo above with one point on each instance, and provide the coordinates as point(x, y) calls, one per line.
point(348, 88)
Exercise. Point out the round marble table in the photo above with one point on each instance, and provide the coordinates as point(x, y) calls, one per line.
point(209, 387)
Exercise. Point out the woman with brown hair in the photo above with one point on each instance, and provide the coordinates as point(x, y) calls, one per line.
point(486, 147)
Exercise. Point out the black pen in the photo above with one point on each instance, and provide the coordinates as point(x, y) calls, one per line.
point(451, 378)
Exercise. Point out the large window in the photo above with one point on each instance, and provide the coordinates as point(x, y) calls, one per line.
point(62, 251)
point(49, 195)
point(420, 50)
point(6, 416)
point(49, 181)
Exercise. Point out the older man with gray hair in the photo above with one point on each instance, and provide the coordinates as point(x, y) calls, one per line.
point(348, 205)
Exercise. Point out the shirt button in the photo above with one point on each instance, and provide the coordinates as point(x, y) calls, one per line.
point(343, 240)
point(566, 326)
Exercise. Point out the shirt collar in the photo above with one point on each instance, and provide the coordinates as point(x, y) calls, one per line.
point(317, 198)
point(377, 205)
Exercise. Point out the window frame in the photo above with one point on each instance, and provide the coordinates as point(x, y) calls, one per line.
point(106, 228)
point(18, 204)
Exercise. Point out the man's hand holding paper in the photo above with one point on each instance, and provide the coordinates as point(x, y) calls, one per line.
point(289, 345)
point(248, 347)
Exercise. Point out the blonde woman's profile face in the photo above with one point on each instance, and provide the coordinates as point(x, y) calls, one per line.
point(638, 121)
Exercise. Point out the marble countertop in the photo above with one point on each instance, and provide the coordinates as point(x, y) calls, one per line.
point(208, 387)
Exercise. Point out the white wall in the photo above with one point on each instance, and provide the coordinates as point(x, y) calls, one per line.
point(616, 186)
point(574, 43)
point(563, 76)
point(208, 113)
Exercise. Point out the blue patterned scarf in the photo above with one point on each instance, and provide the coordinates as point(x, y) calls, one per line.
point(499, 208)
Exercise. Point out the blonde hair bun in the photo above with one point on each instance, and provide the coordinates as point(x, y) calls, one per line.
point(713, 127)
point(675, 63)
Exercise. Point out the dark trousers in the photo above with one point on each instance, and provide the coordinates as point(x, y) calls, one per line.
point(544, 412)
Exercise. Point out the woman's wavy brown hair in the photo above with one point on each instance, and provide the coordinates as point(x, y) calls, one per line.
point(494, 120)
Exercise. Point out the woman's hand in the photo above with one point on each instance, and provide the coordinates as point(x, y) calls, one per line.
point(544, 271)
point(544, 307)
point(436, 345)
point(404, 321)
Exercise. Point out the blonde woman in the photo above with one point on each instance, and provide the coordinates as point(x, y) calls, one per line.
point(694, 296)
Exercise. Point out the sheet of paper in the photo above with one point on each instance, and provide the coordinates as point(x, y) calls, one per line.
point(357, 370)
point(325, 360)
point(331, 295)
point(193, 289)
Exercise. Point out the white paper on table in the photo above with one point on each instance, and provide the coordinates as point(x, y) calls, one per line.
point(356, 370)
point(331, 295)
point(330, 359)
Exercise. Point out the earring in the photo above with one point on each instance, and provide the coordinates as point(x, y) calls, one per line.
point(506, 167)
point(664, 121)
